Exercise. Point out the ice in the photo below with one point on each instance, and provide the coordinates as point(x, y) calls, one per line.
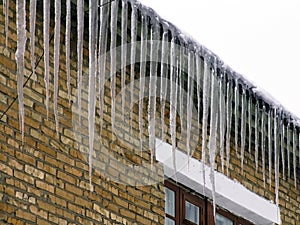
point(102, 57)
point(288, 150)
point(32, 34)
point(67, 43)
point(113, 58)
point(80, 31)
point(256, 135)
point(294, 157)
point(190, 100)
point(243, 129)
point(270, 136)
point(92, 81)
point(222, 122)
point(21, 43)
point(205, 107)
point(132, 58)
point(173, 103)
point(282, 134)
point(249, 123)
point(263, 143)
point(213, 135)
point(163, 76)
point(56, 58)
point(6, 13)
point(276, 159)
point(236, 116)
point(198, 78)
point(152, 86)
point(228, 123)
point(46, 31)
point(123, 52)
point(143, 55)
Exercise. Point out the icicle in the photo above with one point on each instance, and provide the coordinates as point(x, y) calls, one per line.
point(222, 122)
point(102, 57)
point(142, 75)
point(32, 34)
point(67, 37)
point(92, 81)
point(243, 130)
point(282, 134)
point(80, 32)
point(56, 57)
point(182, 70)
point(21, 44)
point(270, 147)
point(6, 13)
point(152, 87)
point(249, 123)
point(288, 149)
point(236, 116)
point(276, 159)
point(263, 144)
point(256, 135)
point(123, 52)
point(189, 100)
point(132, 59)
point(46, 31)
point(205, 107)
point(163, 76)
point(294, 157)
point(228, 124)
point(213, 137)
point(173, 104)
point(198, 78)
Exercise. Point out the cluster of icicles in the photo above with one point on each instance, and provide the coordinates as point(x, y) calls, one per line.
point(215, 87)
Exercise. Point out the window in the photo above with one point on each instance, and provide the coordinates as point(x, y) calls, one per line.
point(184, 207)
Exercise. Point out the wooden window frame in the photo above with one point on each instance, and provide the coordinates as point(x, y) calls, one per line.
point(205, 206)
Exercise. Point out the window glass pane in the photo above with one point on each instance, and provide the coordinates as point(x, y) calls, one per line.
point(191, 212)
point(170, 202)
point(222, 220)
point(169, 221)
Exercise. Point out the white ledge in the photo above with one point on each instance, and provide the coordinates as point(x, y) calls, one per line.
point(230, 194)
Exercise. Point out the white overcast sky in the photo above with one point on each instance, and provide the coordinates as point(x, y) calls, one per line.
point(259, 39)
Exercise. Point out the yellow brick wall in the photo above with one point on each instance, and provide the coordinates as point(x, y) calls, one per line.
point(46, 180)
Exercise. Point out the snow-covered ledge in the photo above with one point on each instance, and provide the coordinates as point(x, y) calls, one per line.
point(230, 194)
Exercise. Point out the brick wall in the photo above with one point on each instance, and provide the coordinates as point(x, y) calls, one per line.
point(45, 180)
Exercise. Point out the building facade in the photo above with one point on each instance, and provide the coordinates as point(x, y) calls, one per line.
point(135, 124)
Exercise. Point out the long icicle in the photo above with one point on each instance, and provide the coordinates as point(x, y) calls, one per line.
point(20, 53)
point(288, 149)
point(142, 75)
point(282, 134)
point(102, 57)
point(294, 157)
point(190, 101)
point(213, 137)
point(270, 146)
point(46, 31)
point(113, 58)
point(123, 52)
point(80, 31)
point(236, 116)
point(152, 87)
point(249, 123)
point(132, 59)
point(92, 82)
point(164, 77)
point(222, 122)
point(198, 78)
point(256, 135)
point(67, 37)
point(32, 34)
point(276, 158)
point(243, 130)
point(173, 104)
point(263, 143)
point(6, 13)
point(228, 124)
point(56, 58)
